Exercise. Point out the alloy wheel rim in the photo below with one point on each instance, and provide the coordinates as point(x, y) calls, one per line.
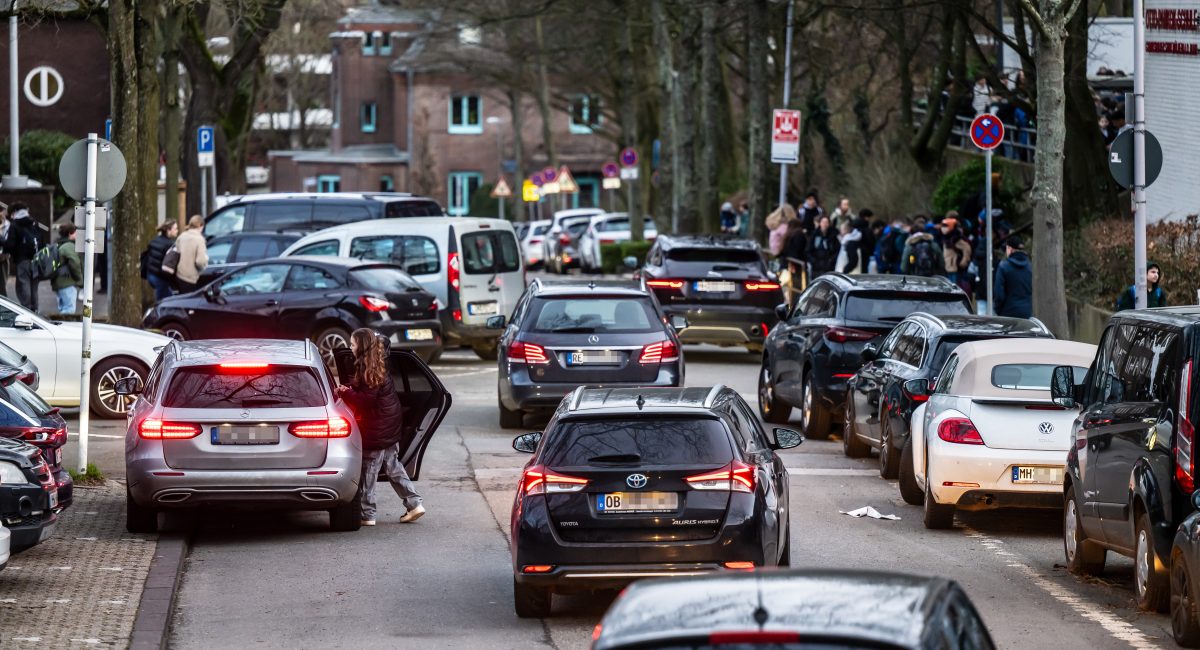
point(883, 446)
point(1143, 563)
point(764, 390)
point(806, 411)
point(106, 389)
point(1069, 530)
point(173, 333)
point(330, 342)
point(1181, 598)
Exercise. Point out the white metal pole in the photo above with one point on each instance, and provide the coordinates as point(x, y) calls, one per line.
point(787, 94)
point(203, 192)
point(89, 275)
point(1139, 152)
point(991, 274)
point(213, 205)
point(14, 131)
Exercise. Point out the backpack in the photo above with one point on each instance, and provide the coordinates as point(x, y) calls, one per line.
point(46, 262)
point(170, 260)
point(924, 260)
point(888, 249)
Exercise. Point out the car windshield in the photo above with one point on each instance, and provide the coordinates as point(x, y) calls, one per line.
point(644, 441)
point(384, 278)
point(18, 396)
point(593, 314)
point(890, 306)
point(620, 225)
point(1026, 376)
point(225, 387)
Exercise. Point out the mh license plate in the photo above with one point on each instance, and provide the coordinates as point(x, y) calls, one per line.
point(626, 502)
point(54, 499)
point(602, 357)
point(717, 286)
point(420, 335)
point(483, 308)
point(245, 435)
point(1037, 475)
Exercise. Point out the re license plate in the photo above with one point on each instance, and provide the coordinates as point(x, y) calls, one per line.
point(602, 357)
point(483, 308)
point(245, 435)
point(633, 502)
point(420, 335)
point(716, 286)
point(1037, 475)
point(54, 498)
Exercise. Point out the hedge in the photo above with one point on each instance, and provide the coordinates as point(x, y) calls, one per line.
point(612, 256)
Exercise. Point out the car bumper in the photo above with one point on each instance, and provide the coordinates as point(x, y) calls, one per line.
point(400, 334)
point(66, 488)
point(519, 393)
point(27, 515)
point(724, 324)
point(153, 484)
point(458, 332)
point(986, 475)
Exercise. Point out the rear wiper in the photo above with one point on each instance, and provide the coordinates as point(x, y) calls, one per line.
point(616, 458)
point(577, 329)
point(727, 267)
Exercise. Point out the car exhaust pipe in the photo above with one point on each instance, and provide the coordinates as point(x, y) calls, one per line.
point(756, 331)
point(318, 496)
point(174, 497)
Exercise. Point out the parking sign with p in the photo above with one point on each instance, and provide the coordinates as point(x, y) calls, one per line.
point(205, 144)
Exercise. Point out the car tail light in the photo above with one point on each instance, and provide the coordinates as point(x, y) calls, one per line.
point(757, 285)
point(537, 568)
point(452, 272)
point(46, 437)
point(1185, 435)
point(959, 431)
point(740, 566)
point(335, 427)
point(660, 352)
point(456, 315)
point(245, 365)
point(846, 334)
point(736, 477)
point(535, 240)
point(604, 242)
point(916, 398)
point(46, 476)
point(539, 480)
point(753, 637)
point(373, 303)
point(522, 352)
point(665, 284)
point(766, 331)
point(565, 240)
point(28, 378)
point(152, 429)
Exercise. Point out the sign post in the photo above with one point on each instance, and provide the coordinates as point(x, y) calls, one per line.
point(611, 182)
point(205, 155)
point(501, 191)
point(629, 172)
point(785, 140)
point(987, 132)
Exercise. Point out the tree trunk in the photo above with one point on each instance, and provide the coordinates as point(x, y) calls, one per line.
point(172, 117)
point(1049, 298)
point(629, 112)
point(1089, 191)
point(543, 96)
point(663, 47)
point(758, 113)
point(518, 124)
point(707, 197)
point(684, 108)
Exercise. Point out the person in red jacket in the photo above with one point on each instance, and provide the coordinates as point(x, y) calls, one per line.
point(372, 396)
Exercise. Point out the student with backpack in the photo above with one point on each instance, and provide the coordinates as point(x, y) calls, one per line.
point(68, 277)
point(22, 246)
point(922, 255)
point(1155, 296)
point(190, 253)
point(891, 246)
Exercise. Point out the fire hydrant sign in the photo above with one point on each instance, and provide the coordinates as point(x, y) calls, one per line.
point(785, 137)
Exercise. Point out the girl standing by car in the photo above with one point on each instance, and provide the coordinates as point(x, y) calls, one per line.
point(372, 396)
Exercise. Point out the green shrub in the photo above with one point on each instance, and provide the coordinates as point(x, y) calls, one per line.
point(1098, 259)
point(41, 152)
point(612, 256)
point(957, 187)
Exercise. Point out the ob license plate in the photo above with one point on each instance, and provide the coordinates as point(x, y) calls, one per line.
point(1037, 475)
point(483, 308)
point(54, 499)
point(227, 434)
point(419, 335)
point(717, 286)
point(627, 502)
point(601, 357)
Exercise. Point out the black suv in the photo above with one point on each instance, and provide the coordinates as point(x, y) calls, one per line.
point(632, 483)
point(882, 395)
point(1132, 470)
point(721, 285)
point(28, 495)
point(305, 213)
point(817, 346)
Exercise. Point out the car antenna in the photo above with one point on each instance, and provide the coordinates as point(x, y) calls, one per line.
point(592, 284)
point(641, 401)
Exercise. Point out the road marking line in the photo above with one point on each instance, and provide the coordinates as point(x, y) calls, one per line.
point(111, 568)
point(58, 601)
point(32, 639)
point(98, 435)
point(86, 539)
point(468, 374)
point(8, 600)
point(831, 471)
point(60, 568)
point(1116, 627)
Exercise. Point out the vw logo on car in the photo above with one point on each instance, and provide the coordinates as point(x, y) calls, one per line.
point(636, 481)
point(1046, 428)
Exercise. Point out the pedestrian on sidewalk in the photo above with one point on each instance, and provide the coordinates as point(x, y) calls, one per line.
point(68, 279)
point(731, 221)
point(1013, 292)
point(891, 245)
point(823, 248)
point(922, 255)
point(1155, 296)
point(5, 225)
point(371, 394)
point(865, 225)
point(21, 246)
point(810, 211)
point(955, 249)
point(843, 214)
point(193, 255)
point(152, 259)
point(850, 238)
point(777, 226)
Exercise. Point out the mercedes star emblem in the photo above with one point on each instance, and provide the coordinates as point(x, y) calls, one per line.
point(245, 415)
point(636, 481)
point(593, 339)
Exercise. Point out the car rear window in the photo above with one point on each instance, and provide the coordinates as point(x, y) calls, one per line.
point(418, 255)
point(1026, 376)
point(397, 209)
point(222, 387)
point(541, 230)
point(891, 306)
point(290, 215)
point(387, 279)
point(654, 441)
point(593, 314)
point(713, 255)
point(19, 397)
point(490, 251)
point(256, 248)
point(618, 225)
point(326, 215)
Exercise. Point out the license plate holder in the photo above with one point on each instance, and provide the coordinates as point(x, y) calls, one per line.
point(54, 498)
point(419, 335)
point(593, 358)
point(636, 502)
point(715, 286)
point(228, 434)
point(490, 308)
point(1036, 475)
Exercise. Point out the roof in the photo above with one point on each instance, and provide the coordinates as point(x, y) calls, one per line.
point(325, 196)
point(376, 13)
point(574, 287)
point(329, 261)
point(366, 154)
point(667, 242)
point(888, 608)
point(213, 351)
point(978, 358)
point(1176, 316)
point(882, 282)
point(404, 224)
point(971, 324)
point(652, 399)
point(232, 236)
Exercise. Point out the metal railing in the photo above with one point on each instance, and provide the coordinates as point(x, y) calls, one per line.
point(1020, 143)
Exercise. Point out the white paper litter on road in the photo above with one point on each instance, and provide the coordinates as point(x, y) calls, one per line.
point(868, 511)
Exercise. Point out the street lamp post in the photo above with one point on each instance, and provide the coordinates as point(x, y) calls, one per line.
point(495, 122)
point(14, 179)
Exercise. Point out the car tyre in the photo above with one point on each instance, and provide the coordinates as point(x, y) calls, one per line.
point(106, 403)
point(1151, 586)
point(938, 516)
point(510, 419)
point(531, 602)
point(770, 407)
point(815, 419)
point(1084, 557)
point(852, 447)
point(175, 330)
point(330, 339)
point(487, 352)
point(347, 517)
point(139, 519)
point(889, 456)
point(785, 558)
point(1185, 617)
point(909, 490)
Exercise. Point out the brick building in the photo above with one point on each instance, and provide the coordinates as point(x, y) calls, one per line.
point(405, 118)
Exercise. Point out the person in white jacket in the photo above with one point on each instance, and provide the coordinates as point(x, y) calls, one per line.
point(193, 255)
point(847, 261)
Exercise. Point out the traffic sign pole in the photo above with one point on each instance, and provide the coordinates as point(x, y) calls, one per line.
point(991, 276)
point(1139, 154)
point(89, 275)
point(787, 95)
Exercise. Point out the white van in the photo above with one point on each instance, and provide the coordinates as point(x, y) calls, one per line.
point(473, 266)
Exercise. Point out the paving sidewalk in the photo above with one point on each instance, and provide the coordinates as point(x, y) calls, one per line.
point(48, 301)
point(81, 587)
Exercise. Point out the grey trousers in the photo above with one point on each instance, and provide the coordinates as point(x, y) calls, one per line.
point(388, 459)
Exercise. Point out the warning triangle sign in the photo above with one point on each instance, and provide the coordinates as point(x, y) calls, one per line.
point(501, 190)
point(566, 182)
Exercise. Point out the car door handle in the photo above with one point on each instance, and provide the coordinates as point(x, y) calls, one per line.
point(272, 303)
point(493, 288)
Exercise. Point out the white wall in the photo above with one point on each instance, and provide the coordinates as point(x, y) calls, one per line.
point(1172, 91)
point(1110, 45)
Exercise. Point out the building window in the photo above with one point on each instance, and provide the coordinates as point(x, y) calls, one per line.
point(585, 113)
point(385, 43)
point(466, 113)
point(462, 187)
point(386, 184)
point(367, 117)
point(368, 44)
point(329, 183)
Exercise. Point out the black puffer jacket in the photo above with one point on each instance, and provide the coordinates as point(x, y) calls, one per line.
point(156, 251)
point(378, 413)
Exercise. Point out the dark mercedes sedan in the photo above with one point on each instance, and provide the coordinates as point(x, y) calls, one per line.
point(563, 335)
point(26, 416)
point(319, 298)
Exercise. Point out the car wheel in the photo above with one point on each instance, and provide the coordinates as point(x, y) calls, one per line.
point(510, 419)
point(938, 516)
point(889, 458)
point(815, 420)
point(1150, 584)
point(330, 339)
point(347, 517)
point(106, 403)
point(487, 352)
point(1185, 619)
point(785, 558)
point(852, 446)
point(1084, 557)
point(176, 331)
point(770, 407)
point(909, 490)
point(531, 602)
point(434, 356)
point(137, 518)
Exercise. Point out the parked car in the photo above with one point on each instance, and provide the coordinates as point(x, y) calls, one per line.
point(323, 299)
point(608, 228)
point(28, 371)
point(54, 346)
point(25, 416)
point(220, 422)
point(721, 285)
point(557, 227)
point(28, 496)
point(817, 346)
point(233, 251)
point(879, 400)
point(5, 546)
point(531, 242)
point(791, 610)
point(635, 483)
point(473, 266)
point(309, 212)
point(566, 334)
point(989, 436)
point(1185, 561)
point(562, 249)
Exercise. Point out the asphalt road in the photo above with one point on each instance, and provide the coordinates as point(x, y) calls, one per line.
point(285, 581)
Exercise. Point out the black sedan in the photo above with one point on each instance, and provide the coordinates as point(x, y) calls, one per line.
point(635, 483)
point(319, 298)
point(28, 496)
point(26, 416)
point(791, 610)
point(235, 250)
point(568, 334)
point(1185, 579)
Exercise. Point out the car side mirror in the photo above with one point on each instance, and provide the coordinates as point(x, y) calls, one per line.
point(630, 262)
point(23, 322)
point(212, 293)
point(679, 323)
point(128, 386)
point(870, 352)
point(1062, 387)
point(495, 322)
point(917, 387)
point(1196, 499)
point(782, 311)
point(528, 442)
point(786, 438)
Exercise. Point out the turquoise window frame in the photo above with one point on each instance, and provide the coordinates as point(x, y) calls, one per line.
point(459, 107)
point(458, 192)
point(327, 183)
point(367, 116)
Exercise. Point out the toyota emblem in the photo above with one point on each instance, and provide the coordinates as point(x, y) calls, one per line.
point(636, 481)
point(1046, 428)
point(245, 415)
point(593, 339)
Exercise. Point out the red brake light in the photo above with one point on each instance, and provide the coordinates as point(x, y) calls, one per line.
point(740, 566)
point(456, 315)
point(452, 272)
point(846, 334)
point(46, 437)
point(754, 285)
point(736, 476)
point(959, 431)
point(28, 378)
point(538, 480)
point(158, 430)
point(564, 239)
point(535, 240)
point(522, 352)
point(664, 284)
point(335, 427)
point(245, 365)
point(1185, 435)
point(608, 241)
point(374, 304)
point(660, 352)
point(537, 568)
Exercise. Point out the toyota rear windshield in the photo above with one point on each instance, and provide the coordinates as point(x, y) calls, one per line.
point(895, 306)
point(244, 386)
point(640, 442)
